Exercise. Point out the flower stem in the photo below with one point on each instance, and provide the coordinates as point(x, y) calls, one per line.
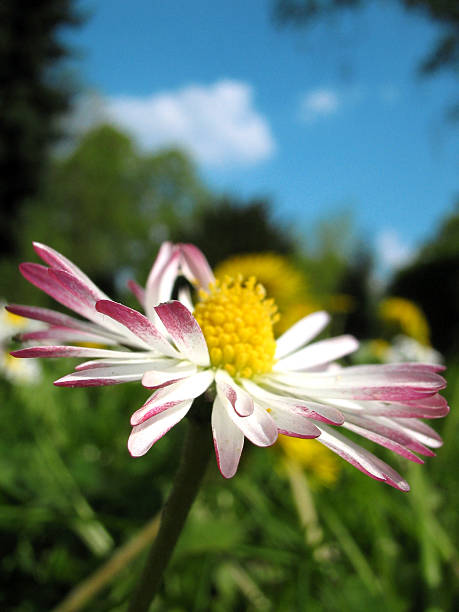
point(195, 457)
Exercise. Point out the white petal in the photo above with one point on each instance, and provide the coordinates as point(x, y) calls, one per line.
point(294, 425)
point(259, 427)
point(195, 266)
point(145, 435)
point(301, 333)
point(157, 377)
point(307, 408)
point(162, 277)
point(184, 296)
point(238, 398)
point(228, 440)
point(102, 363)
point(420, 431)
point(319, 353)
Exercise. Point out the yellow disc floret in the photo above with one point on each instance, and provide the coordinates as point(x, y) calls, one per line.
point(237, 322)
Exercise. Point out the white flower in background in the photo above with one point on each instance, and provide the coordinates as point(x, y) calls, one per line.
point(10, 368)
point(224, 345)
point(403, 348)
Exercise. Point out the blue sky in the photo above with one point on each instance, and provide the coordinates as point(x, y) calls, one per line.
point(320, 121)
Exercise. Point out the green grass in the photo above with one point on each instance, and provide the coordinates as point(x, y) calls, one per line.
point(71, 494)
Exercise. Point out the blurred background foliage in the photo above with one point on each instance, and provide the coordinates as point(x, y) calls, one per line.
point(443, 54)
point(76, 512)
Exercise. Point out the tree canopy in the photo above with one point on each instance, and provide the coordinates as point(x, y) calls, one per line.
point(32, 95)
point(443, 54)
point(108, 206)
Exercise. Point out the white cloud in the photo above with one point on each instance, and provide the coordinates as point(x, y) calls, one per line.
point(323, 102)
point(218, 123)
point(319, 102)
point(392, 252)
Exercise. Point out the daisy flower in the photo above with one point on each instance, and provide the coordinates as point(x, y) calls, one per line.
point(224, 346)
point(19, 372)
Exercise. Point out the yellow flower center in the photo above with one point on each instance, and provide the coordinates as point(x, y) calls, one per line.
point(237, 322)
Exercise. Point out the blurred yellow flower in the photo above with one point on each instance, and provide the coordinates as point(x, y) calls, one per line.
point(18, 370)
point(340, 302)
point(11, 324)
point(291, 313)
point(15, 370)
point(319, 462)
point(283, 282)
point(379, 347)
point(406, 318)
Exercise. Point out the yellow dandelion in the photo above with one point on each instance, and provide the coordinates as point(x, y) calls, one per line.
point(403, 316)
point(282, 281)
point(319, 462)
point(291, 313)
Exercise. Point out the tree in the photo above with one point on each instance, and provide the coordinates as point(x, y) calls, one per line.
point(108, 207)
point(31, 98)
point(432, 281)
point(227, 227)
point(445, 52)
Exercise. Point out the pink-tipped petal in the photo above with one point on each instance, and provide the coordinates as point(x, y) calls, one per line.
point(195, 266)
point(238, 398)
point(162, 277)
point(84, 294)
point(379, 382)
point(64, 334)
point(57, 260)
point(143, 436)
point(71, 351)
point(138, 324)
point(182, 390)
point(307, 408)
point(137, 291)
point(301, 333)
point(228, 440)
point(420, 431)
point(76, 286)
point(103, 376)
point(319, 353)
point(52, 317)
point(388, 435)
point(360, 458)
point(184, 331)
point(430, 407)
point(38, 276)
